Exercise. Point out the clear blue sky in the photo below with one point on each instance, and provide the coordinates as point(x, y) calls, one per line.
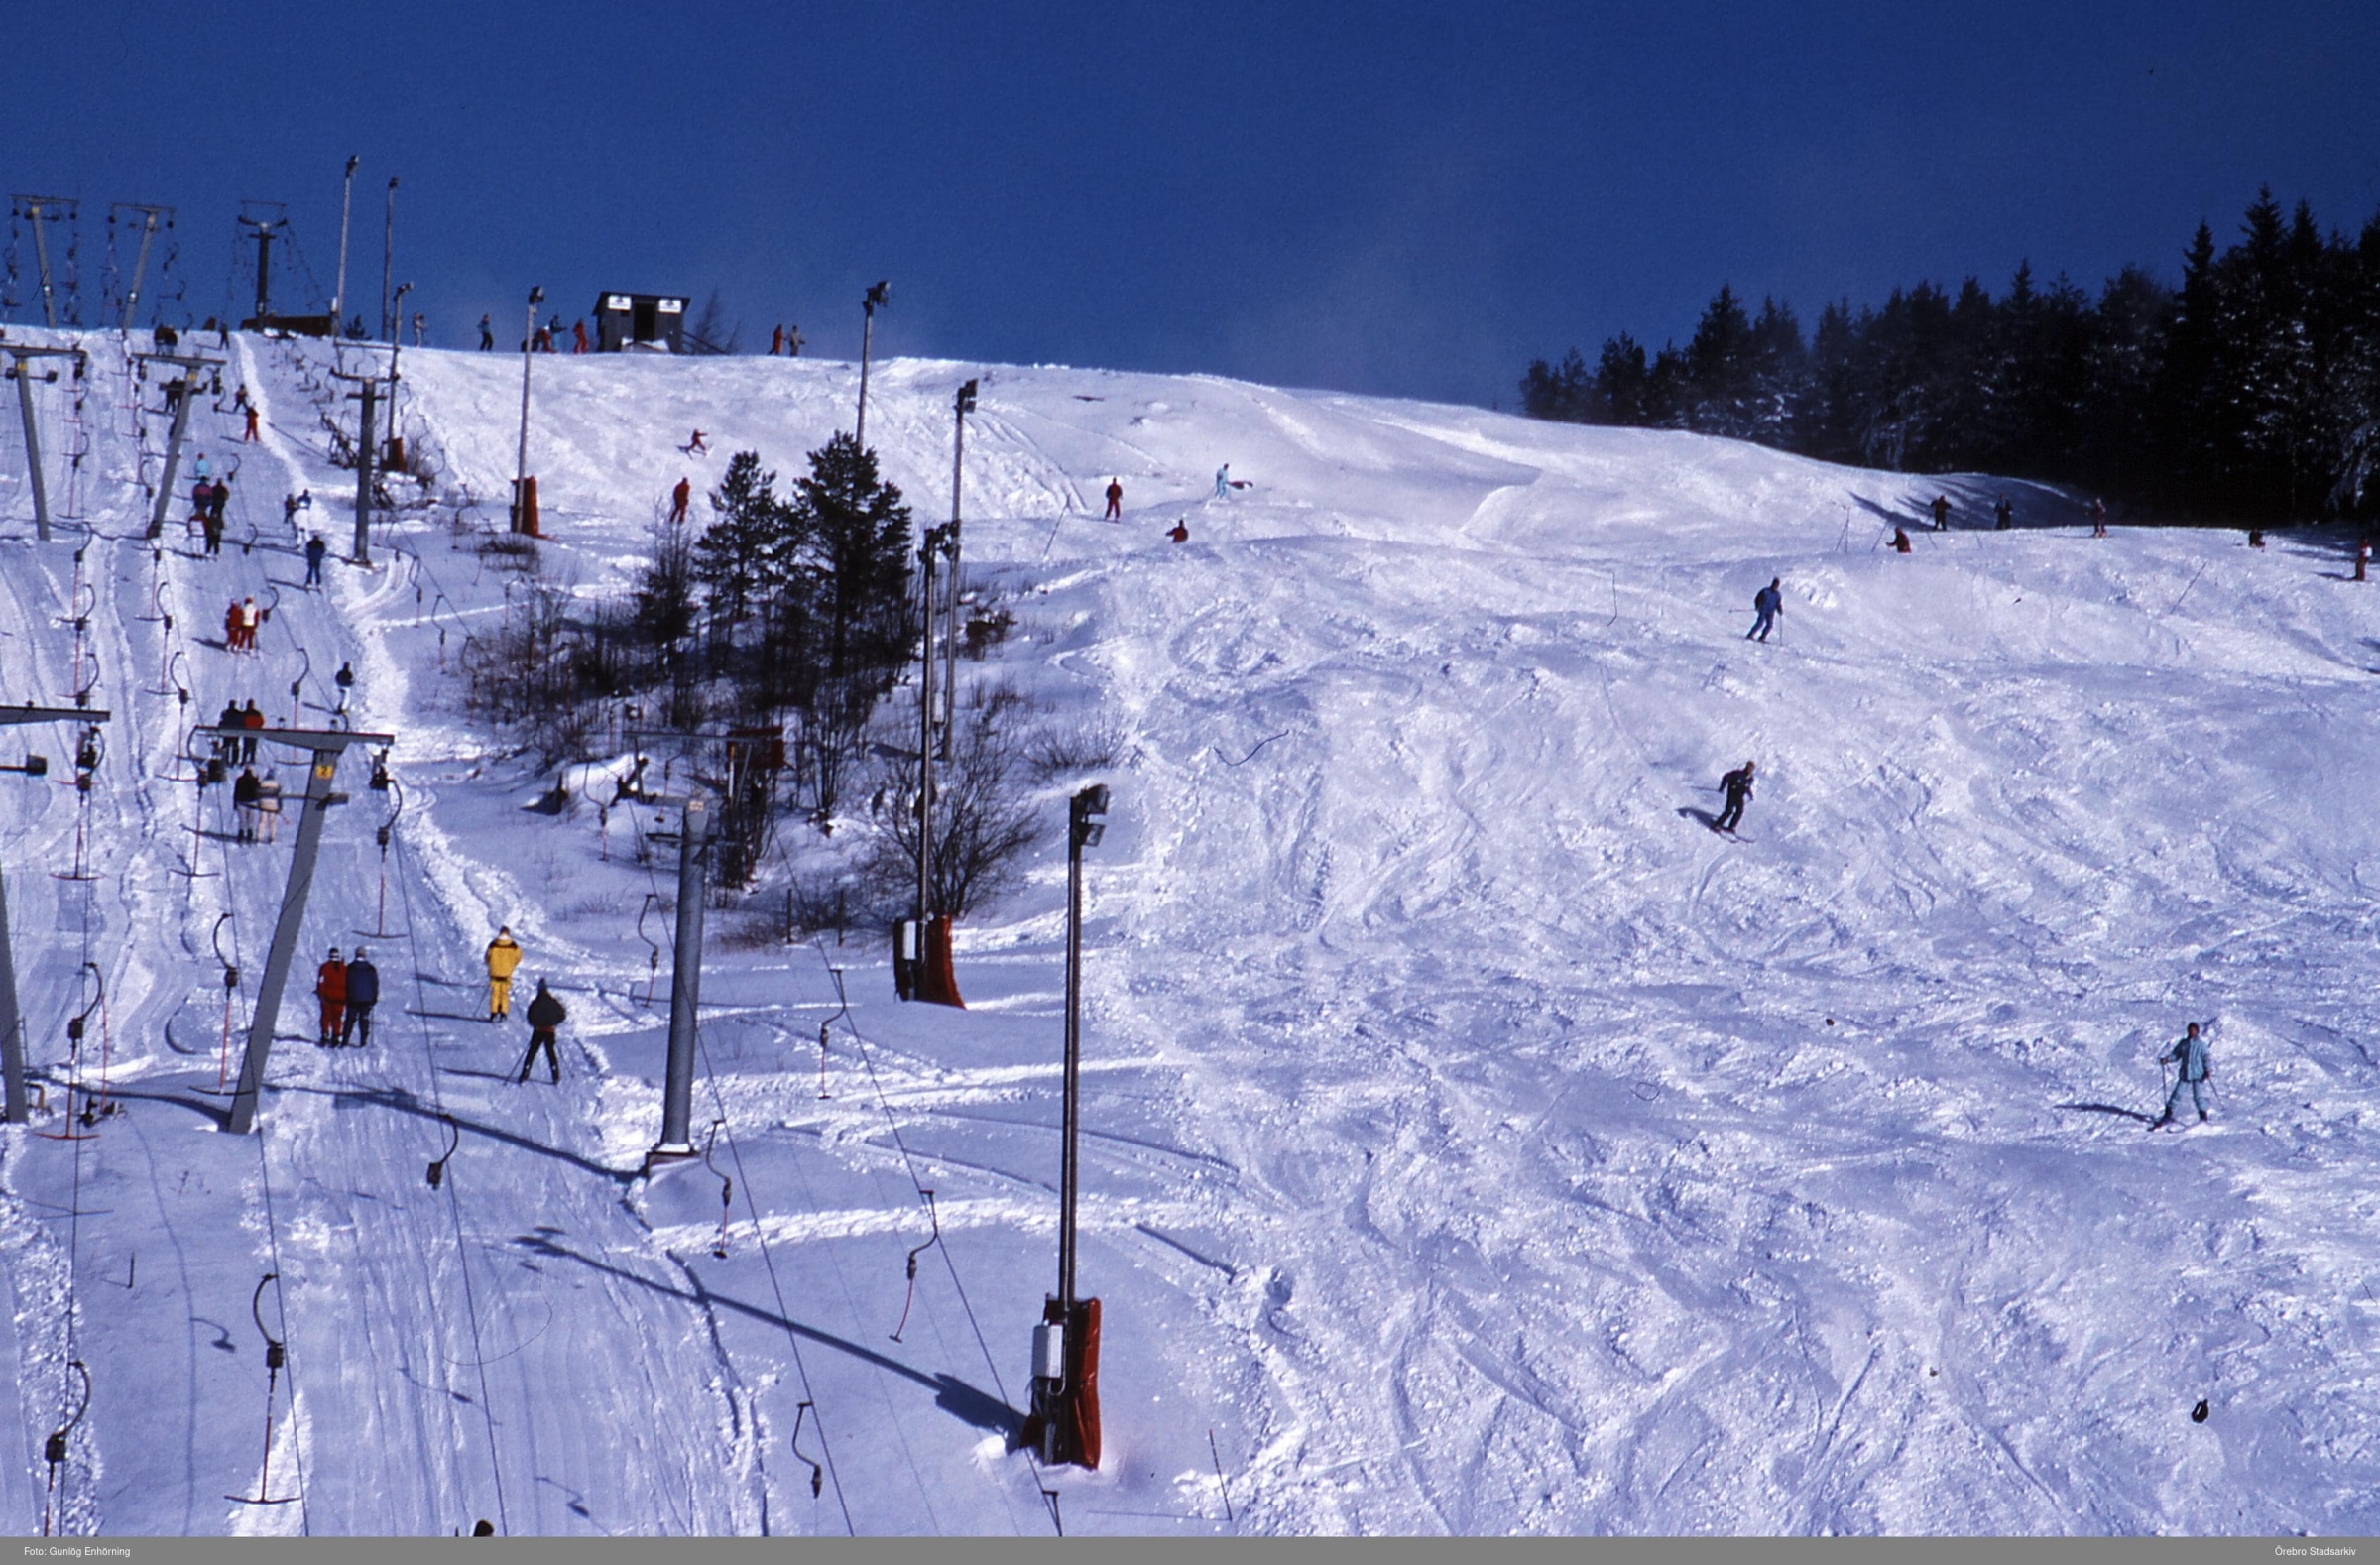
point(1387, 198)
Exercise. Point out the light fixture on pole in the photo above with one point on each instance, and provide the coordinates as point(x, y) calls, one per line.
point(961, 405)
point(339, 293)
point(388, 259)
point(525, 488)
point(878, 294)
point(397, 342)
point(1065, 1398)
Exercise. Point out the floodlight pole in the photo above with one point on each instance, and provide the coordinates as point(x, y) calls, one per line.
point(522, 494)
point(685, 985)
point(189, 365)
point(962, 404)
point(339, 293)
point(925, 734)
point(878, 294)
point(1083, 829)
point(1065, 1379)
point(387, 258)
point(327, 745)
point(396, 346)
point(12, 1021)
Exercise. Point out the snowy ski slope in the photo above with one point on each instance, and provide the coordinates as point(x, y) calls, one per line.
point(1475, 1142)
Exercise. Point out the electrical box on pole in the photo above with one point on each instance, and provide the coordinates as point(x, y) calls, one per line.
point(1064, 1423)
point(326, 746)
point(12, 1020)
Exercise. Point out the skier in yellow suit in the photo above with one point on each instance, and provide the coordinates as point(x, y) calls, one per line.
point(502, 957)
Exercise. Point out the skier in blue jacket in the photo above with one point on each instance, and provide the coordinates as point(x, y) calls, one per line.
point(1767, 604)
point(363, 993)
point(2189, 1053)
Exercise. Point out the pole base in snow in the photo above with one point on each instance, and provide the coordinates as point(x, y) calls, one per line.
point(666, 1153)
point(524, 507)
point(1064, 1426)
point(936, 981)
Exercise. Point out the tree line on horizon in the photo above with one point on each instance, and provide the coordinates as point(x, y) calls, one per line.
point(2250, 392)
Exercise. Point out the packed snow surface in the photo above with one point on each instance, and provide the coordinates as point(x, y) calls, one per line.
point(1475, 1141)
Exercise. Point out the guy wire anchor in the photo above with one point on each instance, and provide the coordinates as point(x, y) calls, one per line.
point(54, 1450)
point(277, 1354)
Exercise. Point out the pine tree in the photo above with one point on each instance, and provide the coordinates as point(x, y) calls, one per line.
point(854, 530)
point(743, 553)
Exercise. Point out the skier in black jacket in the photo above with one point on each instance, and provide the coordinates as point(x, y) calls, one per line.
point(363, 993)
point(545, 1015)
point(1739, 785)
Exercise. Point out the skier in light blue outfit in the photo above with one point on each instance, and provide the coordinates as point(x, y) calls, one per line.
point(1223, 481)
point(2189, 1053)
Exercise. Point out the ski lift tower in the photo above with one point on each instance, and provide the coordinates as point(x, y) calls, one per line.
point(326, 746)
point(12, 1023)
point(685, 973)
point(41, 212)
point(23, 374)
point(262, 221)
point(151, 219)
point(190, 364)
point(367, 391)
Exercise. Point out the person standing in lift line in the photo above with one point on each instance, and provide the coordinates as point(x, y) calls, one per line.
point(330, 987)
point(363, 993)
point(504, 955)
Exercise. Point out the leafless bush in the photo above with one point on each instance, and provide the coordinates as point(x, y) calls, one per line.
point(1066, 747)
point(984, 819)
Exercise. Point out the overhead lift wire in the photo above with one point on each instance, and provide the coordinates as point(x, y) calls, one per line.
point(785, 1312)
point(452, 1186)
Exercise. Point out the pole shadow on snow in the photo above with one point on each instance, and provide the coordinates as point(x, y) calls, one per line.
point(976, 1409)
point(2109, 1108)
point(403, 1102)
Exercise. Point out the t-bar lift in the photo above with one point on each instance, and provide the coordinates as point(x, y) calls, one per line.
point(24, 377)
point(327, 745)
point(191, 365)
point(12, 1023)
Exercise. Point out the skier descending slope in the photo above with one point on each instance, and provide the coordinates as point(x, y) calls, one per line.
point(1767, 604)
point(2189, 1053)
point(1739, 785)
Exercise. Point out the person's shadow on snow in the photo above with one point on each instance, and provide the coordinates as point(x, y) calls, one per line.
point(1708, 820)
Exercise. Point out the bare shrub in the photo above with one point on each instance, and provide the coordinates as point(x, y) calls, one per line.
point(1092, 742)
point(984, 819)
